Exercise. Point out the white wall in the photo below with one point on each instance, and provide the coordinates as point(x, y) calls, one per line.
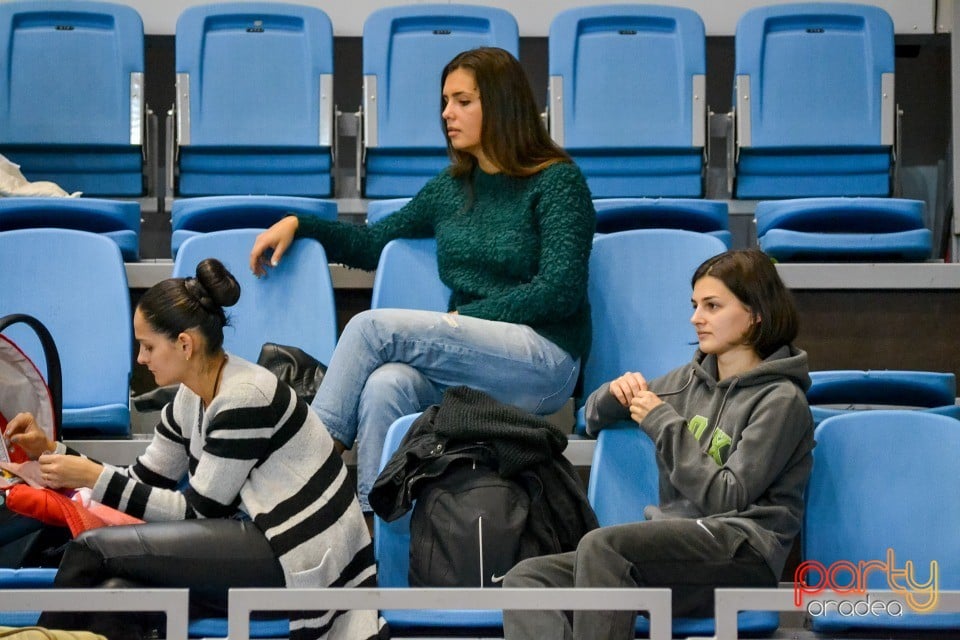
point(534, 16)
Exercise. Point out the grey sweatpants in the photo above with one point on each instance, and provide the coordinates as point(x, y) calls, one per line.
point(692, 557)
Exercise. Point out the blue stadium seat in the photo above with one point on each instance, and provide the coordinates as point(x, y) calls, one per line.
point(255, 111)
point(645, 325)
point(704, 216)
point(405, 49)
point(841, 391)
point(628, 97)
point(839, 229)
point(884, 482)
point(391, 546)
point(377, 210)
point(623, 481)
point(72, 105)
point(292, 305)
point(191, 216)
point(814, 101)
point(118, 220)
point(407, 277)
point(74, 282)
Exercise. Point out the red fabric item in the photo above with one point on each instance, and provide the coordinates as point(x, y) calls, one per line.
point(52, 507)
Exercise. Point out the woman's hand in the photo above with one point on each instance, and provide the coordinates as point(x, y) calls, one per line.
point(276, 239)
point(24, 432)
point(626, 387)
point(68, 472)
point(642, 404)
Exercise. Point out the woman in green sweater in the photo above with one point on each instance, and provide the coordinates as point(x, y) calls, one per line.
point(514, 222)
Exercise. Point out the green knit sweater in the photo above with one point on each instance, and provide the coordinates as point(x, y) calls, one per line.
point(516, 251)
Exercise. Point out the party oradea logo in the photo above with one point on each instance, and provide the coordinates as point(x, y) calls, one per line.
point(843, 577)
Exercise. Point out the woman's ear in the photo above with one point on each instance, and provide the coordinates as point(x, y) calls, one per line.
point(186, 344)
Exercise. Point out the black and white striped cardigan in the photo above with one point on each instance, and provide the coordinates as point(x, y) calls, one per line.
point(260, 450)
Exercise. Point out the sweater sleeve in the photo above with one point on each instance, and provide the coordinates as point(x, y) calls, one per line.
point(603, 409)
point(567, 219)
point(152, 479)
point(776, 427)
point(359, 245)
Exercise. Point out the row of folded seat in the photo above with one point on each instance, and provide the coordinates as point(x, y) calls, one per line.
point(802, 229)
point(75, 283)
point(897, 518)
point(814, 108)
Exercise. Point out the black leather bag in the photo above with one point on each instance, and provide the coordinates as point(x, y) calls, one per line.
point(291, 365)
point(294, 366)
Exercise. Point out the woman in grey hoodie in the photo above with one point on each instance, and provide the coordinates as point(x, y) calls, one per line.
point(733, 436)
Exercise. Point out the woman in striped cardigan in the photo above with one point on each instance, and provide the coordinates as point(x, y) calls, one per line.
point(266, 501)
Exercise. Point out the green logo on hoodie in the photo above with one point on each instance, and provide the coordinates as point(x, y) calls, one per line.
point(697, 425)
point(719, 446)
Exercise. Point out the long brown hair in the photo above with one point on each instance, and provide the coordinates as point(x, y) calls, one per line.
point(513, 135)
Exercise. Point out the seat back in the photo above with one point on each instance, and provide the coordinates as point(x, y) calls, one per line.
point(407, 277)
point(814, 98)
point(883, 491)
point(118, 220)
point(841, 391)
point(623, 476)
point(643, 326)
point(72, 94)
point(377, 210)
point(292, 305)
point(405, 49)
point(704, 216)
point(838, 229)
point(627, 97)
point(190, 216)
point(254, 99)
point(74, 282)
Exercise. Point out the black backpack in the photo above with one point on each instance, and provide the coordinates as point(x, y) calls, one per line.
point(467, 528)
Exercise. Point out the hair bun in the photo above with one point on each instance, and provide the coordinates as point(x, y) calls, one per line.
point(216, 283)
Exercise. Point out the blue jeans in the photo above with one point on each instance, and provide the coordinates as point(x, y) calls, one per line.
point(393, 362)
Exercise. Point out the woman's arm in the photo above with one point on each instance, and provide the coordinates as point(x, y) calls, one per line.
point(777, 425)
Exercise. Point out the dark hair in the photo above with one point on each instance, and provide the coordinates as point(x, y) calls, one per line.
point(177, 304)
point(752, 278)
point(512, 134)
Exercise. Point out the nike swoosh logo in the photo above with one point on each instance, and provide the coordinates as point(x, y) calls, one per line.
point(495, 578)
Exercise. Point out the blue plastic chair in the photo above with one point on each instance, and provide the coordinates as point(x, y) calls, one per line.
point(884, 480)
point(628, 97)
point(405, 49)
point(639, 291)
point(72, 95)
point(292, 305)
point(118, 220)
point(842, 391)
point(814, 101)
point(704, 216)
point(391, 546)
point(623, 482)
point(74, 282)
point(377, 210)
point(838, 229)
point(190, 216)
point(407, 277)
point(255, 110)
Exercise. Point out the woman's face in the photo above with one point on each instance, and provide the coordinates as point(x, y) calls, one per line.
point(162, 356)
point(462, 113)
point(721, 320)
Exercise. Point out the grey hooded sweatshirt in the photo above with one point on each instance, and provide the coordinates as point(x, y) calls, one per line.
point(737, 450)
